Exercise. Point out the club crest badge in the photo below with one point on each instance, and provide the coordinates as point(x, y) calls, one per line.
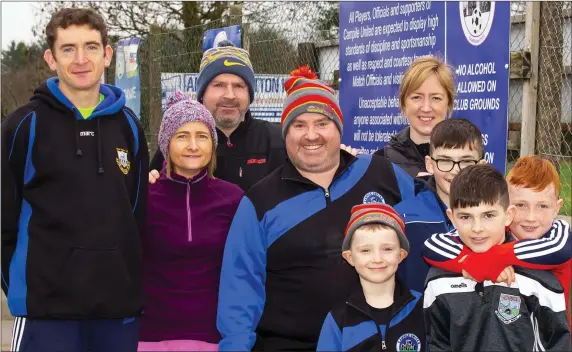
point(122, 161)
point(372, 198)
point(408, 343)
point(508, 310)
point(476, 20)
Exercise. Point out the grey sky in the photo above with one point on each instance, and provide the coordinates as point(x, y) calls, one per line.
point(17, 22)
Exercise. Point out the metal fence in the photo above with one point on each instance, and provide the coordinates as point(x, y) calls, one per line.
point(282, 35)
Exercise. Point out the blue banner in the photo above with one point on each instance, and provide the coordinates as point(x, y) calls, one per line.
point(127, 72)
point(478, 42)
point(214, 36)
point(378, 42)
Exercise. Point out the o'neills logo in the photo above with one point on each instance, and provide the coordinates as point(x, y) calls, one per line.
point(462, 285)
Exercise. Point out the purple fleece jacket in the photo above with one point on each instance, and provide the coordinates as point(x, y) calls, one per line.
point(187, 225)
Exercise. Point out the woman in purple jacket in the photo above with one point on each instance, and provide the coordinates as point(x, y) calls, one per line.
point(189, 214)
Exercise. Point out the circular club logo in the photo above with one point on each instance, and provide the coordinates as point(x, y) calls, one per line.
point(408, 343)
point(476, 20)
point(219, 38)
point(373, 197)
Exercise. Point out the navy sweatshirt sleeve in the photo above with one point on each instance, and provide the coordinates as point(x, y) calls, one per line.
point(15, 143)
point(242, 283)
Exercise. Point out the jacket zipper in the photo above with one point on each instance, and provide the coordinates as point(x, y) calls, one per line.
point(383, 345)
point(190, 232)
point(327, 195)
point(383, 338)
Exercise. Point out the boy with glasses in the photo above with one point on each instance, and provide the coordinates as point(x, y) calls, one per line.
point(454, 145)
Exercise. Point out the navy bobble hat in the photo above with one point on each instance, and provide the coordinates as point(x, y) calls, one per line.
point(225, 58)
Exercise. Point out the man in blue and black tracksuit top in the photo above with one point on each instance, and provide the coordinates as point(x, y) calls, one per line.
point(282, 271)
point(74, 193)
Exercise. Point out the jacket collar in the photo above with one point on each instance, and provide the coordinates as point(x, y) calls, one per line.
point(199, 179)
point(403, 143)
point(240, 130)
point(402, 138)
point(401, 295)
point(427, 184)
point(289, 171)
point(424, 184)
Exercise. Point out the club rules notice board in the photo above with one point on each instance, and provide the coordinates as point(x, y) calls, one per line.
point(378, 42)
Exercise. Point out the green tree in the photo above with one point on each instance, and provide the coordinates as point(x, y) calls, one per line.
point(23, 69)
point(328, 22)
point(271, 52)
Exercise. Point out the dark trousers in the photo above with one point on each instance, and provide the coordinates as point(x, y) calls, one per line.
point(42, 335)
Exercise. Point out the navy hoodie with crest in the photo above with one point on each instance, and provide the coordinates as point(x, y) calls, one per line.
point(74, 194)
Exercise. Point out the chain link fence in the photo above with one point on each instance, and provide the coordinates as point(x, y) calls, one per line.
point(280, 36)
point(554, 112)
point(515, 91)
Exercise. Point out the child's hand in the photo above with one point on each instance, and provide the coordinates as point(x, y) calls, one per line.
point(507, 276)
point(479, 267)
point(466, 275)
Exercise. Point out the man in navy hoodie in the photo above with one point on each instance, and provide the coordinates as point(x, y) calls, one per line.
point(74, 192)
point(454, 145)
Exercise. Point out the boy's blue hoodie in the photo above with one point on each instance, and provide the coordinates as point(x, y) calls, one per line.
point(74, 195)
point(424, 215)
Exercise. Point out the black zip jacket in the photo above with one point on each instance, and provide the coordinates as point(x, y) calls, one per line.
point(350, 326)
point(253, 150)
point(282, 270)
point(74, 195)
point(402, 151)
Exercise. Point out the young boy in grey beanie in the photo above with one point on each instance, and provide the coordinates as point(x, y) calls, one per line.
point(382, 313)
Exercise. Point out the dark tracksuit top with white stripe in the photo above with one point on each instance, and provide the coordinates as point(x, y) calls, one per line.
point(282, 270)
point(350, 326)
point(464, 315)
point(550, 252)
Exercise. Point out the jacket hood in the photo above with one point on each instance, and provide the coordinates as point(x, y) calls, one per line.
point(50, 93)
point(114, 100)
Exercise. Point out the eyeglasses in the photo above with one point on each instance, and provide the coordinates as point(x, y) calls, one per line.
point(446, 165)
